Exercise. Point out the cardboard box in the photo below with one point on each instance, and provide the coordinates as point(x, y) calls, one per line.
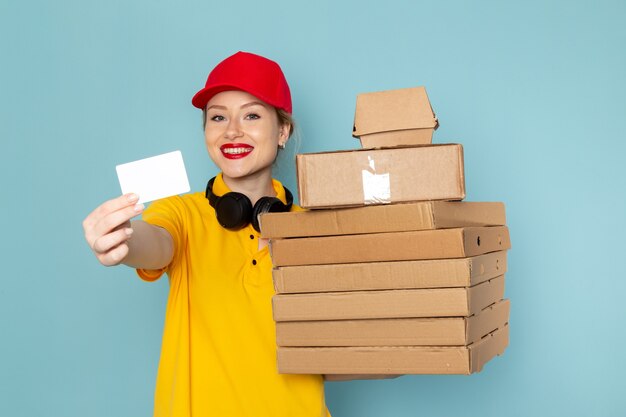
point(407, 137)
point(393, 359)
point(394, 117)
point(438, 273)
point(381, 176)
point(452, 331)
point(394, 246)
point(403, 217)
point(430, 302)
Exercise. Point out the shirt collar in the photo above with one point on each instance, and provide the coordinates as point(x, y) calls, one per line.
point(220, 188)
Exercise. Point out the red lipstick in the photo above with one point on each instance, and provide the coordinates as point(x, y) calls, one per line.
point(235, 150)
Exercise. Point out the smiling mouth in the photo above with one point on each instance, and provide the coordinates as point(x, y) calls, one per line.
point(236, 151)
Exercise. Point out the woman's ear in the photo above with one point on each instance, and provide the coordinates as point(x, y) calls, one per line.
point(283, 134)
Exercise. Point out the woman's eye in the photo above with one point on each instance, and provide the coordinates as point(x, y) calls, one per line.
point(218, 118)
point(253, 116)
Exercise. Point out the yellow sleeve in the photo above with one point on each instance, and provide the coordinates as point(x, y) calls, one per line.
point(168, 213)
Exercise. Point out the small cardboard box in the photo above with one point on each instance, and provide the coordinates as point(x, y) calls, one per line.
point(450, 331)
point(425, 215)
point(392, 360)
point(431, 302)
point(438, 273)
point(381, 176)
point(394, 246)
point(394, 117)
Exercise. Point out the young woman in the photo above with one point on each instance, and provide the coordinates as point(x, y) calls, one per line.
point(218, 356)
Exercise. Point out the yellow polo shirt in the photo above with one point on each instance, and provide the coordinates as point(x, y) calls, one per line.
point(218, 356)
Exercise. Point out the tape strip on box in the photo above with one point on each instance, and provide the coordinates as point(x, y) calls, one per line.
point(376, 187)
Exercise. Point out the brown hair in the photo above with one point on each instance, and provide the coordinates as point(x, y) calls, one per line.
point(285, 118)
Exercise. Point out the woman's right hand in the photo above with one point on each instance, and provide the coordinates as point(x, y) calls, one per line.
point(108, 228)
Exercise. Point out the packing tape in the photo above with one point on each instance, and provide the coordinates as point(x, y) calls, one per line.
point(376, 187)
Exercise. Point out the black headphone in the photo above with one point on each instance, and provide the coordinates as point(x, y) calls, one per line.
point(234, 210)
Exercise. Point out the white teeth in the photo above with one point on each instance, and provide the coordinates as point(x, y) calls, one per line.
point(235, 151)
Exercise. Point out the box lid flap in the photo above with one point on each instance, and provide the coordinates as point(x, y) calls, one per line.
point(407, 108)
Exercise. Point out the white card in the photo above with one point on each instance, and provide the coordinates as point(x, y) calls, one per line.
point(154, 178)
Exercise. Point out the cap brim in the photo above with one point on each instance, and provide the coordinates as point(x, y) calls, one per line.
point(203, 96)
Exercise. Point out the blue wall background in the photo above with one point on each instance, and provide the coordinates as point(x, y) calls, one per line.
point(534, 90)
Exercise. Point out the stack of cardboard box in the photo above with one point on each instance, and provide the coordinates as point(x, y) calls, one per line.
point(387, 273)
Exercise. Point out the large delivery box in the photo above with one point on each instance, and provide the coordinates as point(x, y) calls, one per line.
point(354, 305)
point(424, 215)
point(429, 331)
point(381, 176)
point(389, 360)
point(437, 273)
point(394, 117)
point(394, 246)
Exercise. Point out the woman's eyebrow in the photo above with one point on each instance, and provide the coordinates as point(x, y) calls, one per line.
point(250, 104)
point(253, 103)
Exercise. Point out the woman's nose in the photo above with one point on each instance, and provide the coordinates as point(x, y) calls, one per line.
point(233, 130)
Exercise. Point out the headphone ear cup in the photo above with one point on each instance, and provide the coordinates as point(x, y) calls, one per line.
point(266, 205)
point(233, 210)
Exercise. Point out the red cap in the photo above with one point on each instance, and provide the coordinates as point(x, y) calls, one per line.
point(247, 72)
